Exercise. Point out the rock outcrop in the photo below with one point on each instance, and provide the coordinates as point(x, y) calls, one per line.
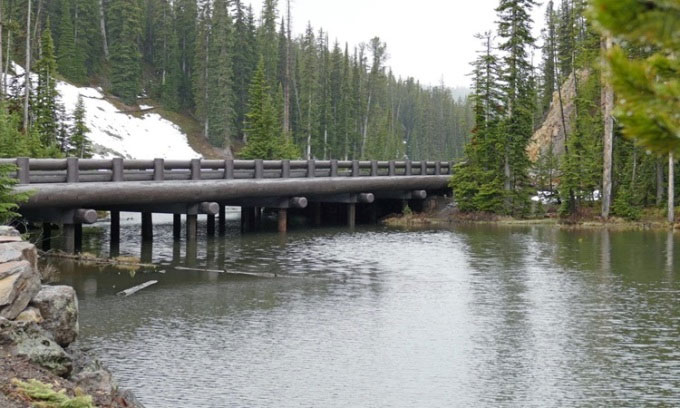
point(38, 332)
point(552, 133)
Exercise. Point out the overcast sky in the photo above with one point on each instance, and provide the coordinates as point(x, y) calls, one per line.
point(430, 40)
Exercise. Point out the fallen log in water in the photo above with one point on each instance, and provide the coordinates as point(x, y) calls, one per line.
point(89, 258)
point(135, 289)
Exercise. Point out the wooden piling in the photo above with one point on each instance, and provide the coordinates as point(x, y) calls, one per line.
point(223, 220)
point(78, 237)
point(69, 238)
point(147, 227)
point(46, 236)
point(351, 215)
point(176, 226)
point(211, 225)
point(192, 227)
point(283, 220)
point(316, 214)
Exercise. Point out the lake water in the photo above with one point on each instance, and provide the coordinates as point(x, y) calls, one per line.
point(475, 316)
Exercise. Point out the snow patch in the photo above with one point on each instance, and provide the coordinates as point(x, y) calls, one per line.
point(119, 134)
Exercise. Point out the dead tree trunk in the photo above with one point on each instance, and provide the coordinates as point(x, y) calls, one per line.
point(608, 107)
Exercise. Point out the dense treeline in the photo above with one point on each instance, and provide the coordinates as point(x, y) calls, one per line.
point(598, 167)
point(200, 57)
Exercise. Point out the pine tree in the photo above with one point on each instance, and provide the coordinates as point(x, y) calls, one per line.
point(80, 145)
point(267, 43)
point(45, 98)
point(514, 29)
point(265, 138)
point(87, 38)
point(125, 29)
point(66, 54)
point(219, 110)
point(186, 15)
point(244, 62)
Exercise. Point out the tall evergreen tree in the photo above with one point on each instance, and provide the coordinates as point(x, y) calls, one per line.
point(125, 29)
point(220, 111)
point(265, 137)
point(45, 98)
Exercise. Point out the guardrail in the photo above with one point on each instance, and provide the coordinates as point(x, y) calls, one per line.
point(74, 170)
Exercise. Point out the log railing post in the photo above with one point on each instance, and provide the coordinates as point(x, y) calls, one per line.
point(72, 171)
point(259, 168)
point(23, 170)
point(229, 169)
point(334, 168)
point(117, 169)
point(356, 172)
point(374, 168)
point(407, 171)
point(311, 168)
point(391, 168)
point(423, 168)
point(285, 168)
point(437, 168)
point(158, 170)
point(195, 167)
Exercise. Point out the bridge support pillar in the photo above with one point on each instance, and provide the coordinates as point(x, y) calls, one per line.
point(176, 226)
point(73, 238)
point(351, 215)
point(283, 220)
point(147, 227)
point(46, 236)
point(78, 238)
point(316, 214)
point(147, 251)
point(192, 227)
point(373, 213)
point(257, 219)
point(211, 225)
point(115, 227)
point(223, 220)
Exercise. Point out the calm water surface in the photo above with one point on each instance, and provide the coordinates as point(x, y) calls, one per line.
point(476, 316)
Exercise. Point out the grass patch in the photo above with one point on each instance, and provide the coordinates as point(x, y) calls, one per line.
point(43, 395)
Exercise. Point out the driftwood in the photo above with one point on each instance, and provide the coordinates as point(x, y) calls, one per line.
point(135, 289)
point(124, 262)
point(184, 268)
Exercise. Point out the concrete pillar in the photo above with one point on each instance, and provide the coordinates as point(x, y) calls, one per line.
point(211, 225)
point(69, 238)
point(351, 215)
point(283, 220)
point(177, 226)
point(147, 227)
point(192, 227)
point(46, 236)
point(223, 220)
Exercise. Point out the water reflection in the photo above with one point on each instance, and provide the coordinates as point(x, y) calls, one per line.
point(476, 316)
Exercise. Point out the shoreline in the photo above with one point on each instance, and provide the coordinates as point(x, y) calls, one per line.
point(451, 220)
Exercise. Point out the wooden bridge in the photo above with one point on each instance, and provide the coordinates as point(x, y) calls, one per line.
point(70, 191)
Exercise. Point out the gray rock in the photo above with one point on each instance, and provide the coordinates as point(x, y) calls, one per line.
point(19, 251)
point(30, 314)
point(19, 283)
point(27, 339)
point(9, 231)
point(90, 374)
point(58, 306)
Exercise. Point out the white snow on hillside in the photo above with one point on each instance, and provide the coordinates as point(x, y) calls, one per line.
point(118, 134)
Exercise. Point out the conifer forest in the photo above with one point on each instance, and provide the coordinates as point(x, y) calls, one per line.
point(554, 122)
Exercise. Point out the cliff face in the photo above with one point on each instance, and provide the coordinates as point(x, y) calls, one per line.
point(552, 132)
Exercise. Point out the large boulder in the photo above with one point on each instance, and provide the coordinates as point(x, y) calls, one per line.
point(58, 307)
point(27, 339)
point(6, 231)
point(19, 283)
point(19, 251)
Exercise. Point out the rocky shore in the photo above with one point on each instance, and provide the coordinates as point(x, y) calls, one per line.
point(40, 359)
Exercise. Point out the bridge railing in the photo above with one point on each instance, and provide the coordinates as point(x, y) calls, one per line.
point(73, 170)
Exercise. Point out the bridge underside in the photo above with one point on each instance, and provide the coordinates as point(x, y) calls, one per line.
point(322, 200)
